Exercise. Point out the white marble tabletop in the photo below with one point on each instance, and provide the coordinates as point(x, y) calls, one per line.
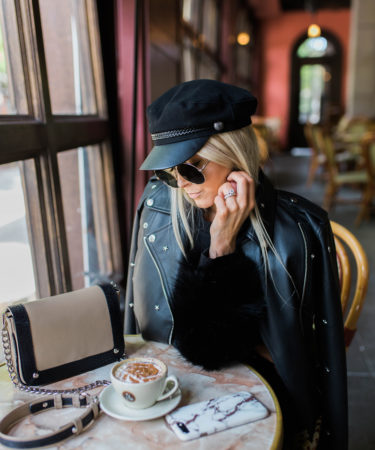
point(196, 385)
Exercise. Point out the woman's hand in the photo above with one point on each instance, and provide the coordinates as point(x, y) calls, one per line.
point(231, 213)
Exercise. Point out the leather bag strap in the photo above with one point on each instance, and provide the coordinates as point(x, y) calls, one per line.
point(73, 428)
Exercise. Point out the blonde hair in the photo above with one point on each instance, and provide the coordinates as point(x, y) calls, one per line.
point(236, 150)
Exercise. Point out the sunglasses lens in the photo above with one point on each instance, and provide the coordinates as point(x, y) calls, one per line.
point(190, 173)
point(166, 177)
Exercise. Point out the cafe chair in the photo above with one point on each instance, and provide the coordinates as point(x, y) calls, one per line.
point(360, 175)
point(351, 309)
point(262, 146)
point(318, 158)
point(314, 138)
point(350, 131)
point(268, 128)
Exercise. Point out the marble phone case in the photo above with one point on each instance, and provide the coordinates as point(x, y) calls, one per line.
point(217, 414)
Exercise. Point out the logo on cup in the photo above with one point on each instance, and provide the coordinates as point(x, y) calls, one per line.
point(128, 396)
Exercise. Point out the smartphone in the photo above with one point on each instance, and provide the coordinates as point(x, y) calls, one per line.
point(217, 414)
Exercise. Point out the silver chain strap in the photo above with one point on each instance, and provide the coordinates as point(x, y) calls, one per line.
point(34, 390)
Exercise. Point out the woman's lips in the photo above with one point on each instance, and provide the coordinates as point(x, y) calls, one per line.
point(193, 194)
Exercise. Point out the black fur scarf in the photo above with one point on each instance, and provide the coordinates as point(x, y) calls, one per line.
point(217, 306)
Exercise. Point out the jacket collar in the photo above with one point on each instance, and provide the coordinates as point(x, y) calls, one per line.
point(159, 196)
point(266, 197)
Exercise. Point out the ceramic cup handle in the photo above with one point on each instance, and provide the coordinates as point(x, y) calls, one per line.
point(165, 394)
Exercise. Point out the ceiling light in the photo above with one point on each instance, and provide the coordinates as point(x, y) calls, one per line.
point(243, 38)
point(313, 31)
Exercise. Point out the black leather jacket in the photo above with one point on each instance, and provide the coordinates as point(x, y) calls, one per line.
point(303, 328)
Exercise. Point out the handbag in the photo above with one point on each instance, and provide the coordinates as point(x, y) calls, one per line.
point(58, 337)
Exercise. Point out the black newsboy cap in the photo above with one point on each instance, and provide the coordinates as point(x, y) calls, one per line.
point(183, 118)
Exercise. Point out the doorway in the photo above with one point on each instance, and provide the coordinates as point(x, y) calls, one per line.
point(315, 84)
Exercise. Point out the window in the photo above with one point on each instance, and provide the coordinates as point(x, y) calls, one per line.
point(17, 279)
point(315, 48)
point(315, 87)
point(84, 201)
point(12, 81)
point(243, 50)
point(67, 51)
point(315, 84)
point(59, 226)
point(200, 27)
point(315, 56)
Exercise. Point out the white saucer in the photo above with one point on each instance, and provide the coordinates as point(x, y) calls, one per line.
point(111, 404)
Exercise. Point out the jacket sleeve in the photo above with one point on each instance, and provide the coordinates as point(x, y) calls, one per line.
point(330, 333)
point(130, 323)
point(216, 308)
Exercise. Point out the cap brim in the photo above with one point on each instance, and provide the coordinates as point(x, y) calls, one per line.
point(170, 155)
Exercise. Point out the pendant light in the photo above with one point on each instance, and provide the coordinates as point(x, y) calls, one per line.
point(313, 30)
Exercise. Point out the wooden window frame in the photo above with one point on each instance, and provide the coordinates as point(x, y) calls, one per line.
point(40, 136)
point(199, 45)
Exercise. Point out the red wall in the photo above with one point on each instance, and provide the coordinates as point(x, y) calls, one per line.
point(125, 27)
point(278, 36)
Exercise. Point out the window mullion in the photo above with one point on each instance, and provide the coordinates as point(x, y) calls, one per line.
point(35, 206)
point(50, 181)
point(43, 81)
point(25, 65)
point(112, 213)
point(95, 53)
point(53, 221)
point(77, 132)
point(23, 140)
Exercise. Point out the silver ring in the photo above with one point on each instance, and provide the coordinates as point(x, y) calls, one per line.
point(231, 193)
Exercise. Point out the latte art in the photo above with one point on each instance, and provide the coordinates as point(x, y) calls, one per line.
point(138, 372)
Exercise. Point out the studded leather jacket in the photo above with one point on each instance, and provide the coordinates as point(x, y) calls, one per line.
point(303, 328)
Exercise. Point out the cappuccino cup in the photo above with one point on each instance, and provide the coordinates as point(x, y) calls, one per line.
point(142, 381)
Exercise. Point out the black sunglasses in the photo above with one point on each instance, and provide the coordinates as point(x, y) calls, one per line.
point(188, 171)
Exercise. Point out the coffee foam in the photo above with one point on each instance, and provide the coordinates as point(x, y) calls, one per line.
point(138, 371)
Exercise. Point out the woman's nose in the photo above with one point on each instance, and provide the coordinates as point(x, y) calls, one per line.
point(181, 182)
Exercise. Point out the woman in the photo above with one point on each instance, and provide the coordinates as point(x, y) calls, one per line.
point(226, 268)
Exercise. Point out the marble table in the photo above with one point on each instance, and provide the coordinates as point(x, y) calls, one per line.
point(196, 385)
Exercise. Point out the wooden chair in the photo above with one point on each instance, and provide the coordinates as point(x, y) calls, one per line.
point(318, 158)
point(350, 131)
point(268, 128)
point(362, 177)
point(262, 146)
point(340, 155)
point(368, 154)
point(343, 236)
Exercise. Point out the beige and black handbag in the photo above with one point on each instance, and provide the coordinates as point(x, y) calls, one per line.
point(58, 337)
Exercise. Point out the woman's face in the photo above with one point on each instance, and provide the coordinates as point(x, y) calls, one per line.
point(204, 194)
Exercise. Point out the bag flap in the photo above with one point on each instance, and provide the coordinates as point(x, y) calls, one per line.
point(67, 334)
point(69, 327)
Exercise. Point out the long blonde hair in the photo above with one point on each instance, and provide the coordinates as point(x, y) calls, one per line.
point(238, 150)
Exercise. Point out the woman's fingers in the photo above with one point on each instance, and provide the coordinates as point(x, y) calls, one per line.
point(245, 189)
point(230, 202)
point(231, 212)
point(237, 174)
point(221, 207)
point(225, 188)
